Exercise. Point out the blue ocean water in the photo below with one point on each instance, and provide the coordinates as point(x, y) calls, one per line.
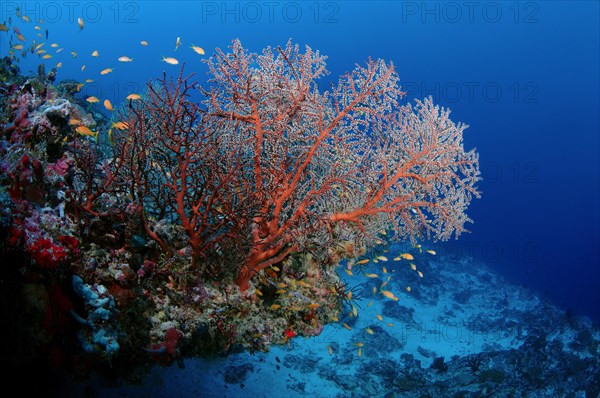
point(523, 75)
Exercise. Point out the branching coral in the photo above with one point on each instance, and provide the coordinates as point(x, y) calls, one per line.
point(273, 166)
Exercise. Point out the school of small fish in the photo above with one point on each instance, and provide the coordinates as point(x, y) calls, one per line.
point(19, 46)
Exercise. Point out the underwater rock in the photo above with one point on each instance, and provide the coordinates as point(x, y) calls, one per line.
point(302, 363)
point(101, 333)
point(9, 71)
point(236, 374)
point(400, 313)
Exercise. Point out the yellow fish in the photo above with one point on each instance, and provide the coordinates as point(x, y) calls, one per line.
point(134, 97)
point(120, 125)
point(39, 46)
point(389, 295)
point(198, 50)
point(362, 261)
point(349, 272)
point(59, 65)
point(89, 80)
point(17, 47)
point(78, 87)
point(371, 275)
point(92, 99)
point(432, 252)
point(73, 122)
point(106, 71)
point(108, 105)
point(379, 317)
point(54, 45)
point(83, 130)
point(275, 307)
point(347, 327)
point(420, 273)
point(170, 60)
point(47, 56)
point(20, 37)
point(382, 258)
point(258, 291)
point(369, 330)
point(360, 351)
point(330, 350)
point(413, 266)
point(144, 43)
point(80, 22)
point(111, 141)
point(313, 306)
point(408, 289)
point(125, 59)
point(407, 256)
point(95, 53)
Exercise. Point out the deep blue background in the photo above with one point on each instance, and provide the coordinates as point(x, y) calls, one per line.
point(523, 75)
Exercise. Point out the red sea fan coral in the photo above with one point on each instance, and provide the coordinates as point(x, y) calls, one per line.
point(273, 166)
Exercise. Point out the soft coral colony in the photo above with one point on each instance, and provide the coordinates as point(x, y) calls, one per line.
point(199, 227)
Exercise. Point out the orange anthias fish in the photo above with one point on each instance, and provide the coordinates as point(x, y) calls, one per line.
point(83, 130)
point(171, 60)
point(197, 50)
point(120, 125)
